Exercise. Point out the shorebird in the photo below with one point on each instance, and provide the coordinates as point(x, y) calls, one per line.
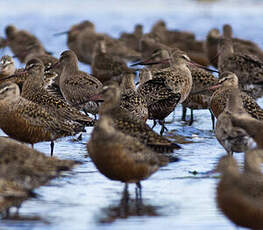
point(248, 69)
point(231, 137)
point(35, 90)
point(81, 40)
point(77, 87)
point(127, 123)
point(132, 40)
point(23, 43)
point(29, 122)
point(170, 37)
point(251, 125)
point(201, 79)
point(127, 159)
point(239, 195)
point(131, 101)
point(105, 66)
point(228, 81)
point(241, 46)
point(168, 87)
point(23, 169)
point(211, 46)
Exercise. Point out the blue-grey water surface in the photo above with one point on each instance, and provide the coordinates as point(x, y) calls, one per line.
point(172, 198)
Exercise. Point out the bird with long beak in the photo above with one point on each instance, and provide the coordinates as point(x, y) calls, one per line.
point(248, 68)
point(229, 81)
point(168, 86)
point(163, 57)
point(230, 136)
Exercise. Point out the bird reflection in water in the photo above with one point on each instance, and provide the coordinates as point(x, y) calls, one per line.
point(127, 207)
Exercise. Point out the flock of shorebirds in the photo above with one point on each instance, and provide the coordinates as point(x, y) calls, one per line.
point(51, 98)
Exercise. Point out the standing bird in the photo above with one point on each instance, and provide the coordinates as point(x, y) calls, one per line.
point(105, 66)
point(231, 137)
point(131, 100)
point(229, 81)
point(127, 123)
point(23, 43)
point(127, 159)
point(77, 87)
point(35, 90)
point(168, 87)
point(248, 68)
point(29, 122)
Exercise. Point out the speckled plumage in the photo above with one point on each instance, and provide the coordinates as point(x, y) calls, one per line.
point(29, 122)
point(127, 160)
point(105, 66)
point(128, 124)
point(220, 97)
point(35, 91)
point(131, 100)
point(231, 137)
point(248, 69)
point(76, 86)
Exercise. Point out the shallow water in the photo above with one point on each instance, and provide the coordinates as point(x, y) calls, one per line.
point(172, 197)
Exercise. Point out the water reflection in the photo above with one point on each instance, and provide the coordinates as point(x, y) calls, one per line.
point(125, 208)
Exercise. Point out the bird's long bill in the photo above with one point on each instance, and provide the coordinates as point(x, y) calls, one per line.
point(202, 67)
point(61, 33)
point(214, 87)
point(96, 97)
point(11, 76)
point(150, 62)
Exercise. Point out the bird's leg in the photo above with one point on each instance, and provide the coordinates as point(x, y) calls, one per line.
point(125, 196)
point(85, 111)
point(184, 110)
point(17, 209)
point(212, 119)
point(191, 117)
point(154, 123)
point(138, 191)
point(163, 127)
point(52, 147)
point(32, 145)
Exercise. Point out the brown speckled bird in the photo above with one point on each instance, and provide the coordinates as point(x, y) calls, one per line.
point(248, 68)
point(231, 137)
point(35, 90)
point(29, 122)
point(126, 123)
point(227, 82)
point(77, 87)
point(168, 87)
point(105, 66)
point(127, 159)
point(131, 101)
point(23, 43)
